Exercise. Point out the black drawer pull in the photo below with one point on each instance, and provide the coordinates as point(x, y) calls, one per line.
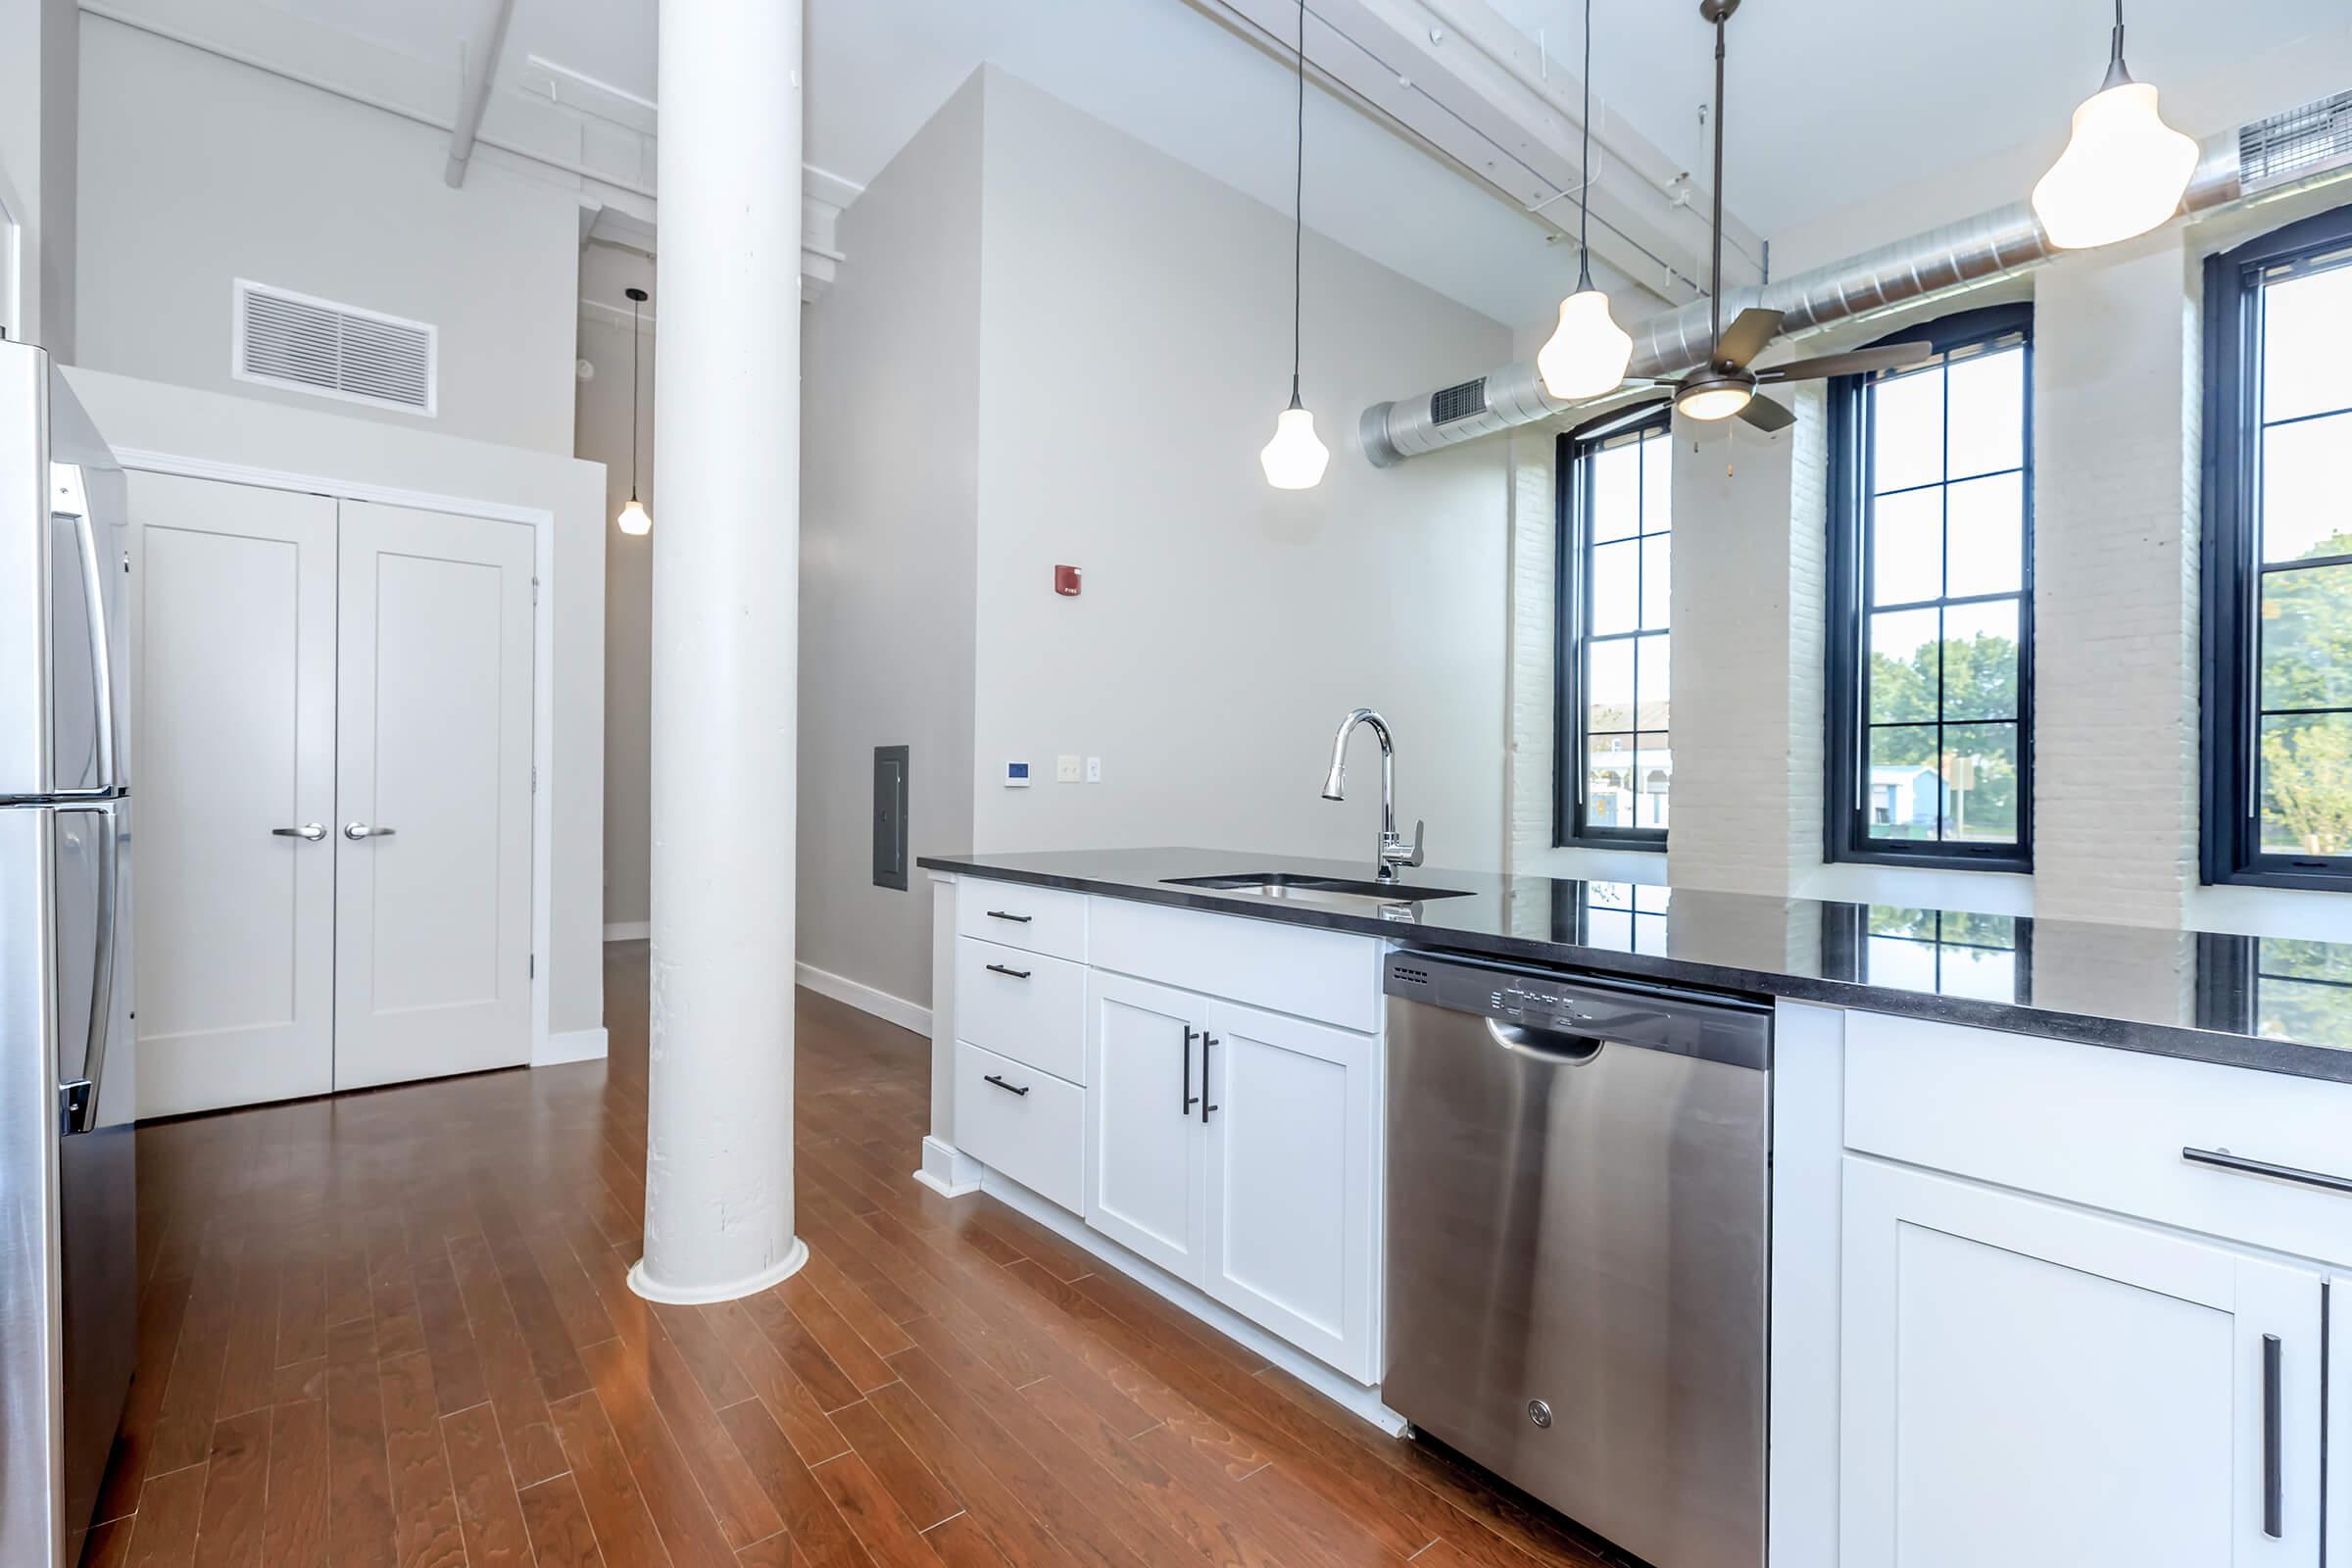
point(1008, 1088)
point(1016, 974)
point(2223, 1159)
point(1206, 1040)
point(2274, 1488)
point(1016, 919)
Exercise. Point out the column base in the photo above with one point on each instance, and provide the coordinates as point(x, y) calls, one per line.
point(947, 1170)
point(775, 1274)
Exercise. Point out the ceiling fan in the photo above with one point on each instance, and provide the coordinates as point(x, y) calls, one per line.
point(1725, 385)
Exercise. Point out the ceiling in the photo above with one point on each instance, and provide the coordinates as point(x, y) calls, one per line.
point(1832, 102)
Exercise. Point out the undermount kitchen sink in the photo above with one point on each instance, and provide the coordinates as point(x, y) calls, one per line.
point(1293, 888)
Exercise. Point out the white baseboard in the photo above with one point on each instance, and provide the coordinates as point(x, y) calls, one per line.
point(573, 1045)
point(1327, 1381)
point(629, 931)
point(865, 998)
point(947, 1170)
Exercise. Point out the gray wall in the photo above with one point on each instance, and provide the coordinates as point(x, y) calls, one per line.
point(888, 426)
point(602, 435)
point(197, 170)
point(1135, 349)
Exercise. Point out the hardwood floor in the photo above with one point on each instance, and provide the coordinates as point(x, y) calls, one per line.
point(392, 1328)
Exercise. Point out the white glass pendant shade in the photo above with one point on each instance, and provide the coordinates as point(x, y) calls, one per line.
point(2122, 172)
point(1588, 352)
point(634, 519)
point(1294, 458)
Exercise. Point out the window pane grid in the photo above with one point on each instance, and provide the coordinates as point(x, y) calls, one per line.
point(2297, 803)
point(1937, 738)
point(1615, 724)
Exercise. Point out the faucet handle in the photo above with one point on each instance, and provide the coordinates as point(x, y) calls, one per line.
point(1399, 852)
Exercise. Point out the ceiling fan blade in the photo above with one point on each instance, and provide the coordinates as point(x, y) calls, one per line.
point(1766, 415)
point(1890, 357)
point(1745, 338)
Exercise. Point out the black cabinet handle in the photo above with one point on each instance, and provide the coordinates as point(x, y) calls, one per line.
point(1016, 919)
point(1008, 1088)
point(1013, 974)
point(1206, 1040)
point(1190, 1098)
point(2273, 1462)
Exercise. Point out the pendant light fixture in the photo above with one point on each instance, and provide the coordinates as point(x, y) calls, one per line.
point(2123, 168)
point(633, 518)
point(1588, 352)
point(1294, 458)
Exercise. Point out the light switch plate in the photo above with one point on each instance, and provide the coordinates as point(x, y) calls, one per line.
point(1093, 770)
point(1065, 770)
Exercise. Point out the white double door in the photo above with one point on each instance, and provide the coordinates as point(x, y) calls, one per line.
point(333, 771)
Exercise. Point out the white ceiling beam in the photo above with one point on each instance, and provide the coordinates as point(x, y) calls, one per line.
point(1459, 80)
point(479, 58)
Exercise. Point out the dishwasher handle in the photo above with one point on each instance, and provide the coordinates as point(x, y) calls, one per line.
point(1559, 1047)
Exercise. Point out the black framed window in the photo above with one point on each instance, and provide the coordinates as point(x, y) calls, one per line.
point(1944, 952)
point(2277, 566)
point(1614, 775)
point(1931, 603)
point(2278, 988)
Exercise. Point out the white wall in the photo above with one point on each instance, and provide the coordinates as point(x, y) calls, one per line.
point(39, 89)
point(1135, 349)
point(152, 416)
point(196, 171)
point(602, 435)
point(888, 431)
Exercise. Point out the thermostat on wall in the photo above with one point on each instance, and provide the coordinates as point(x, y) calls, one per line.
point(1016, 775)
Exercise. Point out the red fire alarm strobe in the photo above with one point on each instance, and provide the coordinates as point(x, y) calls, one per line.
point(1066, 581)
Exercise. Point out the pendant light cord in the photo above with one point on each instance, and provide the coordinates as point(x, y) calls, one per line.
point(1298, 211)
point(633, 400)
point(1584, 191)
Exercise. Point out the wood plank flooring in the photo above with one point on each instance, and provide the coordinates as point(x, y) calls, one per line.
point(393, 1328)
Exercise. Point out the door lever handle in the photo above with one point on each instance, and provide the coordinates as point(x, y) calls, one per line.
point(309, 832)
point(356, 831)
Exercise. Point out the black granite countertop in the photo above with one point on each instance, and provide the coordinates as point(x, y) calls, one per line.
point(2278, 1005)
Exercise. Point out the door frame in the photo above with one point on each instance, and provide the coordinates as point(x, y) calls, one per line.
point(542, 523)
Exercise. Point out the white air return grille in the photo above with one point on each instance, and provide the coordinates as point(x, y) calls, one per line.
point(338, 350)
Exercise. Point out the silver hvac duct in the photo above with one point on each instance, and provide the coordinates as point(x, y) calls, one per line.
point(2269, 158)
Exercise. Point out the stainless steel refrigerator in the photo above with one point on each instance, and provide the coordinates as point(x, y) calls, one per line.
point(68, 1204)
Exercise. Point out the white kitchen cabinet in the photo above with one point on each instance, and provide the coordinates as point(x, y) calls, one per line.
point(1291, 1187)
point(1145, 1168)
point(1264, 1197)
point(2029, 1382)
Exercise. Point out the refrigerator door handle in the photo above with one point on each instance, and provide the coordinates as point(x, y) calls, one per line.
point(79, 1098)
point(93, 587)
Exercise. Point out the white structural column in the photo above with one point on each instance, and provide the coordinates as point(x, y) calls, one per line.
point(719, 1193)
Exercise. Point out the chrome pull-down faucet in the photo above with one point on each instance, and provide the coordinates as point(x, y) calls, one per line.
point(1395, 851)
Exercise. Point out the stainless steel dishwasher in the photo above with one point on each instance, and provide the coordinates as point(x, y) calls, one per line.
point(1579, 1228)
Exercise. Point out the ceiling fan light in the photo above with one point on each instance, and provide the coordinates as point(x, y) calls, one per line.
point(1294, 458)
point(1588, 352)
point(1716, 397)
point(2122, 172)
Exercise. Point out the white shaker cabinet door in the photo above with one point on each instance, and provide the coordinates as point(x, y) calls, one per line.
point(233, 693)
point(1290, 1125)
point(1145, 1176)
point(433, 815)
point(2034, 1384)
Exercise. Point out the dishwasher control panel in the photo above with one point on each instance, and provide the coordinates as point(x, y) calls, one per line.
point(1692, 1024)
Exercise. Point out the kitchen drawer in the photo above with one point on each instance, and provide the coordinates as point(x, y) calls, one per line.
point(1028, 1124)
point(1024, 1005)
point(2104, 1127)
point(1330, 976)
point(1037, 920)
